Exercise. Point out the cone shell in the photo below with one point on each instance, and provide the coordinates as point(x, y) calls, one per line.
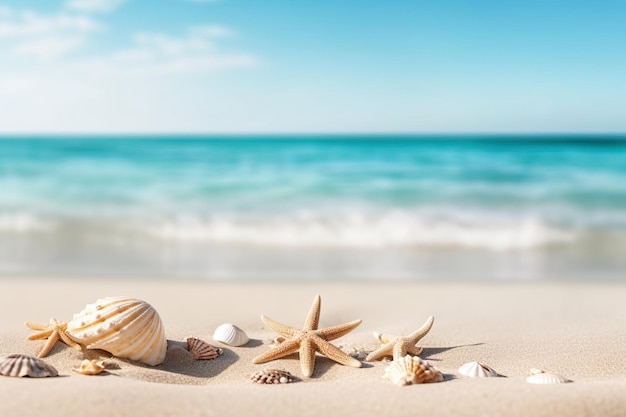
point(408, 370)
point(542, 377)
point(201, 350)
point(230, 334)
point(24, 365)
point(87, 367)
point(125, 327)
point(477, 370)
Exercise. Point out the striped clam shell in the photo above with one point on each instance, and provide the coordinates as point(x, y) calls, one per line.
point(272, 376)
point(230, 334)
point(409, 370)
point(477, 370)
point(201, 350)
point(125, 327)
point(24, 365)
point(538, 376)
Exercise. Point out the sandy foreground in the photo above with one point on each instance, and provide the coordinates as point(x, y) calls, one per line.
point(577, 330)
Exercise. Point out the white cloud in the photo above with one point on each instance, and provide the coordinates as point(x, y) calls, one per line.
point(49, 47)
point(93, 5)
point(28, 23)
point(139, 85)
point(159, 53)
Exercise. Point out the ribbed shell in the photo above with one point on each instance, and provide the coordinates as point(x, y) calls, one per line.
point(201, 350)
point(272, 376)
point(230, 334)
point(408, 370)
point(24, 365)
point(477, 370)
point(125, 327)
point(541, 377)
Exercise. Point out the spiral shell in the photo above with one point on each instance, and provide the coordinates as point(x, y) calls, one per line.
point(125, 327)
point(24, 365)
point(201, 350)
point(230, 334)
point(477, 370)
point(408, 370)
point(538, 376)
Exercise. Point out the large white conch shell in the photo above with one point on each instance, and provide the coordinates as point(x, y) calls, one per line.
point(125, 327)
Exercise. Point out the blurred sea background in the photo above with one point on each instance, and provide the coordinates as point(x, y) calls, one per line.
point(375, 207)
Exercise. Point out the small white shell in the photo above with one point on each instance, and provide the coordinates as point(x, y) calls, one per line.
point(272, 376)
point(201, 350)
point(90, 367)
point(230, 334)
point(538, 376)
point(408, 370)
point(24, 365)
point(477, 370)
point(125, 327)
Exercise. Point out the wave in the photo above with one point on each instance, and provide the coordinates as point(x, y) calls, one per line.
point(358, 230)
point(23, 223)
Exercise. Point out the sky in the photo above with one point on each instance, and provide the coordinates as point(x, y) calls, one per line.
point(312, 66)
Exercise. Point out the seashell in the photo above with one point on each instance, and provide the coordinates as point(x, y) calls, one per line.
point(272, 376)
point(125, 327)
point(477, 370)
point(201, 350)
point(87, 367)
point(230, 334)
point(538, 376)
point(408, 370)
point(24, 365)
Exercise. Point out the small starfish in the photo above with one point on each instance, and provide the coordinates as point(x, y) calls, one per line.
point(401, 346)
point(309, 340)
point(53, 332)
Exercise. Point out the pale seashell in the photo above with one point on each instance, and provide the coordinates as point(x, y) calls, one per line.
point(24, 365)
point(538, 376)
point(231, 335)
point(125, 327)
point(90, 367)
point(272, 376)
point(201, 350)
point(408, 370)
point(477, 370)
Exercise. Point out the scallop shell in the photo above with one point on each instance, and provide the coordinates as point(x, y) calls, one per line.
point(125, 327)
point(272, 376)
point(477, 370)
point(87, 367)
point(201, 350)
point(538, 376)
point(230, 334)
point(24, 365)
point(408, 370)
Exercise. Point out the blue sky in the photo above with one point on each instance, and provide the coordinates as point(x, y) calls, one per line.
point(312, 66)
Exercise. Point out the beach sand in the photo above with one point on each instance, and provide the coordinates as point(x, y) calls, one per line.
point(577, 330)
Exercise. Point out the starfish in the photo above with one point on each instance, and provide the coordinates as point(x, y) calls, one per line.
point(309, 340)
point(53, 332)
point(401, 346)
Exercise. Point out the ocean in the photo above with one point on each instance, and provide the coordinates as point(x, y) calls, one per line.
point(375, 207)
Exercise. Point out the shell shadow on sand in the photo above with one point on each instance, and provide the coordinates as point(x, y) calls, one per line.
point(178, 360)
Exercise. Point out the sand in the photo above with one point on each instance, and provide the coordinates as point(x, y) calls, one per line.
point(577, 330)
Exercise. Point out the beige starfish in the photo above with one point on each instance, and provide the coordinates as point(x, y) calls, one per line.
point(309, 340)
point(401, 346)
point(53, 332)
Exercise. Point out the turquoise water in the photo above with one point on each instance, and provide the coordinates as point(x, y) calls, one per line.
point(371, 207)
